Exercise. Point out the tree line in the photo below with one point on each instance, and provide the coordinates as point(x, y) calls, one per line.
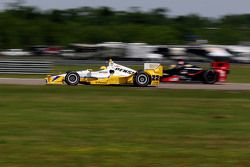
point(23, 26)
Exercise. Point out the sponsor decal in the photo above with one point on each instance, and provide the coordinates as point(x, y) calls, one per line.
point(150, 66)
point(153, 66)
point(55, 78)
point(155, 77)
point(124, 70)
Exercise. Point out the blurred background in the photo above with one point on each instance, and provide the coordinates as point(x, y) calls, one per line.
point(123, 126)
point(62, 32)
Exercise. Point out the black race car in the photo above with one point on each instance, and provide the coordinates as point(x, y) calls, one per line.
point(192, 73)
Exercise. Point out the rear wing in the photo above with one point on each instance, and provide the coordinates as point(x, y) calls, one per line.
point(224, 66)
point(222, 69)
point(155, 68)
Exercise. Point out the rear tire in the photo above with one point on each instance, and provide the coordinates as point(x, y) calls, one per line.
point(72, 78)
point(142, 79)
point(210, 77)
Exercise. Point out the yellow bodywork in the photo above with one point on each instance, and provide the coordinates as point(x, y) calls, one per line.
point(112, 80)
point(57, 81)
point(155, 75)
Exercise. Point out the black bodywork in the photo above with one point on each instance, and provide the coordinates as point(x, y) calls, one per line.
point(190, 73)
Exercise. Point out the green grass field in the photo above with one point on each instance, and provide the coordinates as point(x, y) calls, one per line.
point(239, 73)
point(60, 126)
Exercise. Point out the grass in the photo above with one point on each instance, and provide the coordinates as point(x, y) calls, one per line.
point(122, 126)
point(240, 73)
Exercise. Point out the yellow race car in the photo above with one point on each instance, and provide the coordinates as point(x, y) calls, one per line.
point(113, 74)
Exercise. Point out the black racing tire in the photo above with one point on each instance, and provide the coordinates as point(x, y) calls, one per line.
point(72, 78)
point(210, 77)
point(142, 79)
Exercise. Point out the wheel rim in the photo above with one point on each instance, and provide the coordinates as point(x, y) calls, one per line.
point(72, 78)
point(142, 79)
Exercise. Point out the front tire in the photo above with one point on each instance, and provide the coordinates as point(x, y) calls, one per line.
point(142, 79)
point(210, 77)
point(72, 78)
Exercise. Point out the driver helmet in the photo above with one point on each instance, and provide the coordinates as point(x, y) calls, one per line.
point(172, 66)
point(181, 62)
point(103, 68)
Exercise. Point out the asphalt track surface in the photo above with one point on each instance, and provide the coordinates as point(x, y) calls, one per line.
point(199, 86)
